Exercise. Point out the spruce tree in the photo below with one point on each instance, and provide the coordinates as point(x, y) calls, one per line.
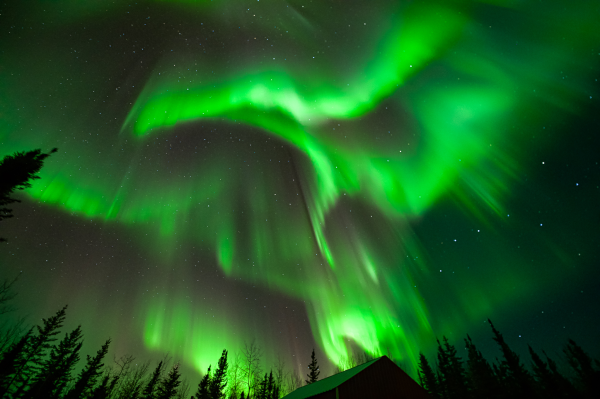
point(219, 380)
point(517, 379)
point(443, 366)
point(275, 393)
point(270, 385)
point(565, 387)
point(582, 364)
point(150, 388)
point(16, 172)
point(262, 390)
point(427, 377)
point(12, 359)
point(456, 378)
point(543, 375)
point(55, 373)
point(203, 388)
point(113, 385)
point(33, 354)
point(313, 375)
point(168, 387)
point(484, 384)
point(101, 391)
point(105, 388)
point(89, 375)
point(501, 376)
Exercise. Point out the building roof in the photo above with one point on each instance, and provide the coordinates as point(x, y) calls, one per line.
point(379, 377)
point(329, 383)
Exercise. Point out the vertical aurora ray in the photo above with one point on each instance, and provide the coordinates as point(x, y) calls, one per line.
point(355, 148)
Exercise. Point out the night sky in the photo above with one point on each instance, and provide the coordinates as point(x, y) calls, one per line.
point(344, 175)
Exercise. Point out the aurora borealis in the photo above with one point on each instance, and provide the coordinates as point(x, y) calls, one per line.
point(344, 175)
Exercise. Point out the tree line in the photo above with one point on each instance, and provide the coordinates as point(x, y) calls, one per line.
point(508, 377)
point(35, 363)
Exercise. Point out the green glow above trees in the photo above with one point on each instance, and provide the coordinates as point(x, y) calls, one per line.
point(335, 229)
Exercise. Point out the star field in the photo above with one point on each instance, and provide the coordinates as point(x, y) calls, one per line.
point(348, 176)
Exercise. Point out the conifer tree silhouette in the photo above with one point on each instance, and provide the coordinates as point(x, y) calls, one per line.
point(517, 379)
point(443, 365)
point(427, 377)
point(483, 382)
point(16, 172)
point(275, 394)
point(270, 385)
point(33, 353)
point(89, 375)
point(582, 364)
point(565, 387)
point(313, 375)
point(168, 387)
point(106, 387)
point(543, 376)
point(451, 367)
point(12, 360)
point(203, 387)
point(262, 388)
point(55, 372)
point(218, 382)
point(149, 390)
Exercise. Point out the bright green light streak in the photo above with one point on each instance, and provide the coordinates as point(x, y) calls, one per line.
point(358, 297)
point(275, 102)
point(178, 329)
point(415, 41)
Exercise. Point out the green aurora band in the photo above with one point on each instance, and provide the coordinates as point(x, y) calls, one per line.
point(339, 234)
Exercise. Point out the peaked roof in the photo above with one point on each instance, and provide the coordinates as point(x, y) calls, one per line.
point(329, 383)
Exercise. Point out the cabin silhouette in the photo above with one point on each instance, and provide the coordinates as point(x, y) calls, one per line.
point(379, 378)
